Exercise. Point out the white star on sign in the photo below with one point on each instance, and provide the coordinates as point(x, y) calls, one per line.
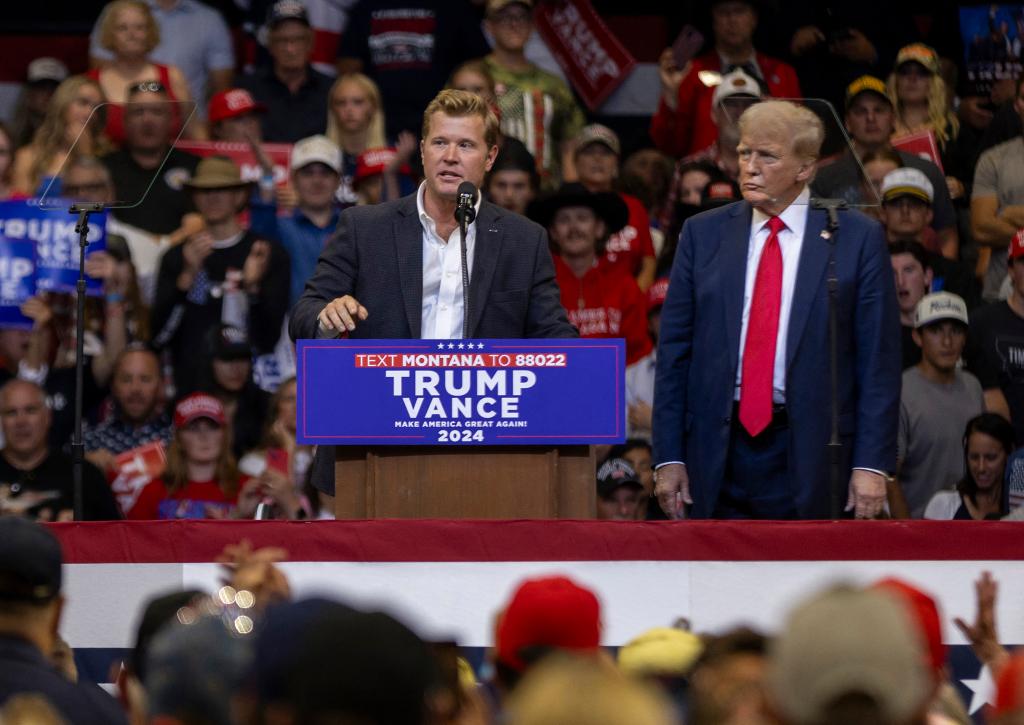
point(440, 346)
point(451, 345)
point(463, 347)
point(984, 690)
point(479, 346)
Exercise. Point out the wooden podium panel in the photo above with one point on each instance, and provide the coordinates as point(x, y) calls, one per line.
point(478, 482)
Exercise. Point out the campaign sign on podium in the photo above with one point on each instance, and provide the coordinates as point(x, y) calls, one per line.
point(469, 392)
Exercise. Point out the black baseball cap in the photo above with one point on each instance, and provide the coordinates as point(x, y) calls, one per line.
point(616, 473)
point(229, 343)
point(30, 561)
point(287, 10)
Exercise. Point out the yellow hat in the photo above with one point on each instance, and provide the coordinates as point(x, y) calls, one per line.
point(662, 651)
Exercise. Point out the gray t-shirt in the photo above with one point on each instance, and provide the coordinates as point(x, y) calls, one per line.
point(1000, 173)
point(929, 440)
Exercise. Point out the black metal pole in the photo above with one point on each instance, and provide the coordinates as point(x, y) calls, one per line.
point(77, 448)
point(463, 223)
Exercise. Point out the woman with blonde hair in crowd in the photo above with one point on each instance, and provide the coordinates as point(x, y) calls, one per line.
point(129, 31)
point(355, 122)
point(921, 103)
point(281, 464)
point(60, 136)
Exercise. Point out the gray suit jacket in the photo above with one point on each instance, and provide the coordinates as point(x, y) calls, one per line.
point(376, 255)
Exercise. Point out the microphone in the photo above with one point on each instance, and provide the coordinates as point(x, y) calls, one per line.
point(465, 213)
point(465, 209)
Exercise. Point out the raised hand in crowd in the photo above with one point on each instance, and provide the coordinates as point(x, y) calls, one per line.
point(256, 265)
point(195, 251)
point(116, 275)
point(670, 76)
point(851, 44)
point(805, 39)
point(255, 570)
point(983, 634)
point(191, 224)
point(38, 309)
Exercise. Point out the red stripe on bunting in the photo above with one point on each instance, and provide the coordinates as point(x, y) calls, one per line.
point(489, 541)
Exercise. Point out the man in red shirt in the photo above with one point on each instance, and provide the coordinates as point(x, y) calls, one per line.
point(597, 165)
point(600, 299)
point(683, 123)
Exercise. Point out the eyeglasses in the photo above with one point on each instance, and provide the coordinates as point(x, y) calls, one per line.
point(147, 87)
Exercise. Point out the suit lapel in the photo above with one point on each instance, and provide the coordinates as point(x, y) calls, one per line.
point(813, 263)
point(409, 251)
point(735, 243)
point(485, 260)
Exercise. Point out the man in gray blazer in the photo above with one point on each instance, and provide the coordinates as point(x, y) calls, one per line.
point(394, 270)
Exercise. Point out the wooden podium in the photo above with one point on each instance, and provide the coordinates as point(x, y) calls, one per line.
point(473, 482)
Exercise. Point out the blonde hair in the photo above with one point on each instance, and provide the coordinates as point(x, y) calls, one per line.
point(455, 103)
point(941, 121)
point(574, 690)
point(109, 16)
point(375, 131)
point(50, 138)
point(175, 476)
point(786, 120)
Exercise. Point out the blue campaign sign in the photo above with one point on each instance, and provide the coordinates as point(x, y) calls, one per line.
point(475, 392)
point(17, 281)
point(56, 242)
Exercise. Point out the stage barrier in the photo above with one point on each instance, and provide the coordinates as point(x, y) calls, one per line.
point(448, 578)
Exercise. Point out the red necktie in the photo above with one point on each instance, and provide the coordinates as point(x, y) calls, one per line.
point(762, 334)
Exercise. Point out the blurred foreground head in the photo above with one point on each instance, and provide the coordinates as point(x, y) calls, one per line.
point(572, 690)
point(849, 656)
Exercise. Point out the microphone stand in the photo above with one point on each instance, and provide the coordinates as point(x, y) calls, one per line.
point(834, 446)
point(77, 447)
point(464, 217)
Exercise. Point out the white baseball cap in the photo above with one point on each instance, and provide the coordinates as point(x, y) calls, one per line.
point(316, 149)
point(907, 182)
point(46, 69)
point(736, 83)
point(940, 306)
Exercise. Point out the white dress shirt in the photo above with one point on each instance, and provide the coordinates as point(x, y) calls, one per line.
point(442, 311)
point(791, 241)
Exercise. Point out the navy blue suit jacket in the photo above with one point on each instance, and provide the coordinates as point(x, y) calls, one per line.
point(698, 353)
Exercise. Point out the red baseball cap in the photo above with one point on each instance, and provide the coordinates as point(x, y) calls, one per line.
point(1016, 245)
point(196, 406)
point(550, 612)
point(656, 294)
point(373, 161)
point(231, 103)
point(925, 613)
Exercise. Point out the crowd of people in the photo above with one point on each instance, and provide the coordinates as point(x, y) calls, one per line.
point(211, 265)
point(189, 389)
point(252, 652)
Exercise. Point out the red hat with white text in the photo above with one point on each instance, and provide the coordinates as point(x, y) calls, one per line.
point(232, 103)
point(196, 406)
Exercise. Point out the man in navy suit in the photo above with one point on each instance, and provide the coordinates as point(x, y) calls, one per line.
point(394, 270)
point(742, 396)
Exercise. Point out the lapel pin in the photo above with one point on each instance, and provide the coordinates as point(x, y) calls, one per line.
point(826, 234)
